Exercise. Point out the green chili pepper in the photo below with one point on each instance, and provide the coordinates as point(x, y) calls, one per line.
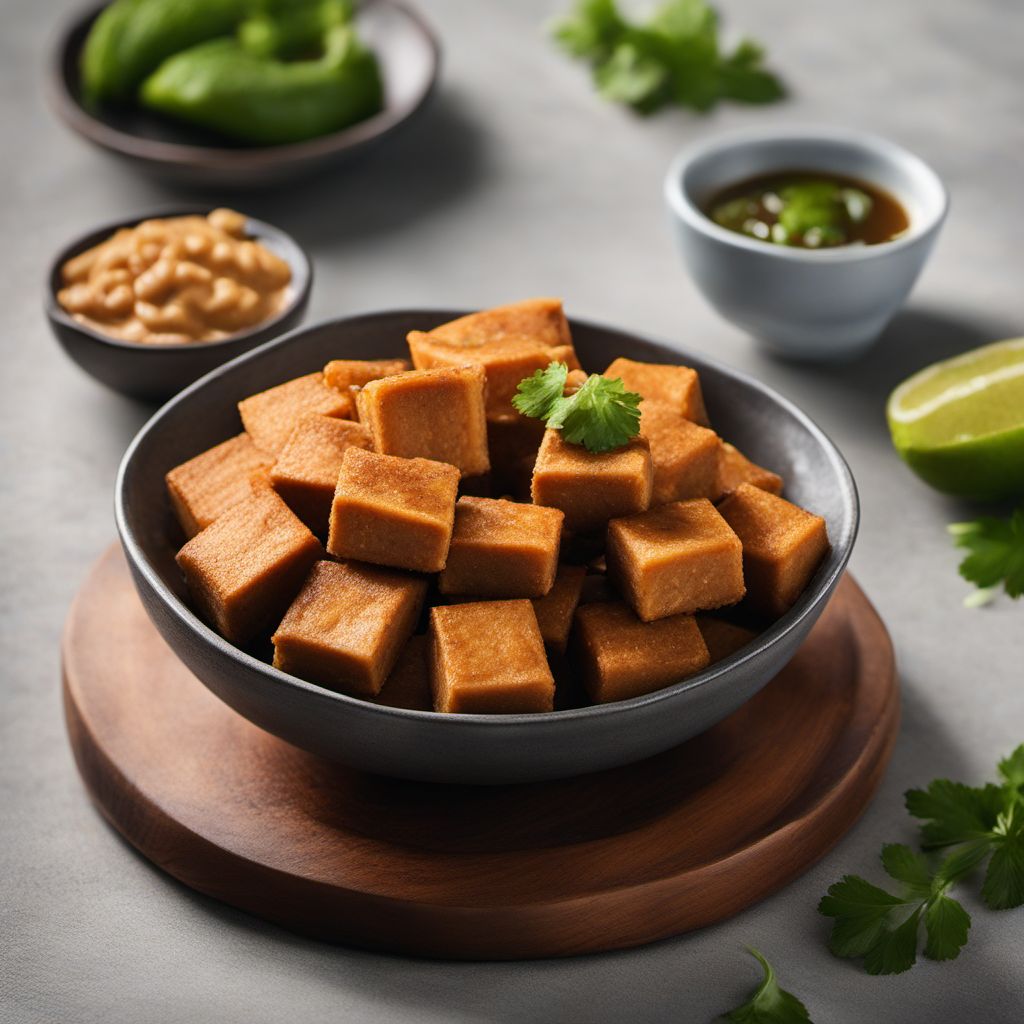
point(130, 38)
point(221, 85)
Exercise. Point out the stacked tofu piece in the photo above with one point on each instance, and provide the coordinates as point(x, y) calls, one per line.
point(405, 536)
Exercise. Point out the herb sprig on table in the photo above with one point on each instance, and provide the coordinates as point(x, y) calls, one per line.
point(600, 415)
point(769, 1003)
point(673, 58)
point(976, 825)
point(995, 555)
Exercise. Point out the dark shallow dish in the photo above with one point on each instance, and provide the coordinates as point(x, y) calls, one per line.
point(409, 57)
point(155, 372)
point(468, 748)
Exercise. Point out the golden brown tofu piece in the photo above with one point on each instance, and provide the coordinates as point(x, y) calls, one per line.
point(783, 545)
point(678, 387)
point(408, 686)
point(684, 455)
point(502, 549)
point(509, 342)
point(487, 658)
point(345, 375)
point(393, 511)
point(209, 484)
point(429, 414)
point(347, 626)
point(271, 416)
point(734, 468)
point(676, 558)
point(555, 610)
point(592, 487)
point(622, 657)
point(247, 565)
point(306, 471)
point(723, 638)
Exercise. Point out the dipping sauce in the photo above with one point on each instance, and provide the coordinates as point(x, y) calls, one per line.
point(176, 281)
point(809, 210)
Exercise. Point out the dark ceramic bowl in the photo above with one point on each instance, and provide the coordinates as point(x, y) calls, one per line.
point(155, 372)
point(409, 58)
point(469, 748)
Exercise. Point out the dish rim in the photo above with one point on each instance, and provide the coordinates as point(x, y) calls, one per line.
point(242, 158)
point(773, 635)
point(258, 230)
point(683, 206)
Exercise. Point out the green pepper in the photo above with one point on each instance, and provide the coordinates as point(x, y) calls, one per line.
point(292, 30)
point(131, 38)
point(221, 85)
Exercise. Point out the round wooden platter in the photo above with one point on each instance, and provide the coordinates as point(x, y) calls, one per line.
point(601, 862)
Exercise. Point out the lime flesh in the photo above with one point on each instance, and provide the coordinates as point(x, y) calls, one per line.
point(959, 424)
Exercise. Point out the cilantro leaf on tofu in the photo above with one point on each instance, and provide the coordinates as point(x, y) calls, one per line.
point(535, 395)
point(995, 553)
point(600, 415)
point(674, 57)
point(769, 1004)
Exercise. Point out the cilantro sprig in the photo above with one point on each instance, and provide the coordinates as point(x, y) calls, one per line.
point(601, 414)
point(977, 825)
point(674, 57)
point(995, 555)
point(769, 1004)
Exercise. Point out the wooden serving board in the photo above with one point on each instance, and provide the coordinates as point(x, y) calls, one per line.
point(548, 869)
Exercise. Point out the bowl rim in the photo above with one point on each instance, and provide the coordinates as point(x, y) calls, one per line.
point(716, 673)
point(301, 283)
point(242, 158)
point(681, 203)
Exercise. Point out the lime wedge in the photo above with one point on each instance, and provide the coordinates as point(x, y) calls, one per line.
point(959, 424)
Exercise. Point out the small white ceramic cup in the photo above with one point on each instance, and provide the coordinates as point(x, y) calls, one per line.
point(812, 304)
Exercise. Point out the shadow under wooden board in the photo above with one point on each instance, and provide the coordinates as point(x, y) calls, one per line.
point(601, 862)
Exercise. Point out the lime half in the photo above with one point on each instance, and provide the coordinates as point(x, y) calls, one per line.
point(959, 424)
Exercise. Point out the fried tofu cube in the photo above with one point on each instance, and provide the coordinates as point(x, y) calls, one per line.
point(306, 471)
point(502, 549)
point(722, 637)
point(487, 658)
point(622, 657)
point(429, 414)
point(783, 545)
point(393, 511)
point(247, 565)
point(684, 455)
point(678, 387)
point(734, 468)
point(408, 686)
point(556, 609)
point(509, 342)
point(211, 482)
point(592, 487)
point(347, 626)
point(347, 375)
point(676, 558)
point(270, 416)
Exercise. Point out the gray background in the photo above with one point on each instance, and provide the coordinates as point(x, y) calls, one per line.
point(519, 182)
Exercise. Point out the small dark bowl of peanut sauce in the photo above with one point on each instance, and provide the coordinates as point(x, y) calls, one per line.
point(148, 305)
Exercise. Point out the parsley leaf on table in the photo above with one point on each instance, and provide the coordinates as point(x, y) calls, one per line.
point(995, 554)
point(601, 414)
point(977, 824)
point(675, 57)
point(769, 1004)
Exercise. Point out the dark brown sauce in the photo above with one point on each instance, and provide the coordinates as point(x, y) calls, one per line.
point(809, 210)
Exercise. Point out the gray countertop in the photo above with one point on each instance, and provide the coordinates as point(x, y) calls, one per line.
point(518, 182)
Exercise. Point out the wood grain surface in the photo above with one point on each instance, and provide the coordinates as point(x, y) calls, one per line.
point(600, 862)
